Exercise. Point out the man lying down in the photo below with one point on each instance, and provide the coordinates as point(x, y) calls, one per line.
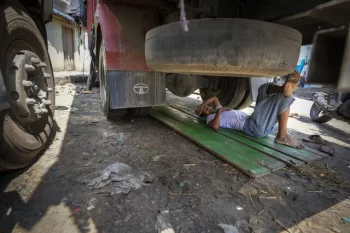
point(272, 106)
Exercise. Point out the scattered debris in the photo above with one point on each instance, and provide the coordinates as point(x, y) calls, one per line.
point(189, 165)
point(345, 219)
point(53, 169)
point(228, 228)
point(239, 208)
point(156, 158)
point(182, 184)
point(247, 190)
point(91, 204)
point(325, 145)
point(241, 226)
point(328, 150)
point(123, 177)
point(253, 220)
point(181, 194)
point(162, 224)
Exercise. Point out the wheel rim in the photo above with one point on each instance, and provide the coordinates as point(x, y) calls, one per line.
point(26, 83)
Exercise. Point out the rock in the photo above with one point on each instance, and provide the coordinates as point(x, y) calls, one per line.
point(253, 220)
point(247, 190)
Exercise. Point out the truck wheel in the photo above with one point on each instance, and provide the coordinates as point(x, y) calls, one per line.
point(224, 47)
point(246, 101)
point(139, 112)
point(104, 87)
point(27, 125)
point(230, 91)
point(315, 115)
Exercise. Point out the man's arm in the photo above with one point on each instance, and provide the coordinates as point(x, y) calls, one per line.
point(215, 123)
point(212, 100)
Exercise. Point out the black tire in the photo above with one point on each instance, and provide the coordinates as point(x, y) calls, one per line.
point(21, 143)
point(314, 115)
point(224, 47)
point(231, 93)
point(246, 101)
point(104, 88)
point(139, 112)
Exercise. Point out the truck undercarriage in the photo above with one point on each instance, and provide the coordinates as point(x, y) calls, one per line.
point(227, 42)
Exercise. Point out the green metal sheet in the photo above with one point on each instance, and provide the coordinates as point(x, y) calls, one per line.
point(306, 155)
point(249, 152)
point(215, 144)
point(266, 150)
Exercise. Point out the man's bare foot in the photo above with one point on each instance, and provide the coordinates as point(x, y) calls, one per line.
point(291, 83)
point(289, 141)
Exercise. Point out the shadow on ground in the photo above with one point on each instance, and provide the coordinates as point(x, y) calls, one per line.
point(199, 190)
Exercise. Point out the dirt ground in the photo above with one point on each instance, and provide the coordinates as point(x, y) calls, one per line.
point(198, 190)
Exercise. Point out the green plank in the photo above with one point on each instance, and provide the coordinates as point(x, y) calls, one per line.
point(232, 134)
point(248, 152)
point(214, 145)
point(306, 155)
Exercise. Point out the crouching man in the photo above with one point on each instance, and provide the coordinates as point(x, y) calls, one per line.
point(272, 106)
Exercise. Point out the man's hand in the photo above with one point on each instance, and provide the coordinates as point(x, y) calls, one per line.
point(203, 108)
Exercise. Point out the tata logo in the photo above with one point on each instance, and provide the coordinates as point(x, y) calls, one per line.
point(140, 88)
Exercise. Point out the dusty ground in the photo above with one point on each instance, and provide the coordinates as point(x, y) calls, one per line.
point(51, 195)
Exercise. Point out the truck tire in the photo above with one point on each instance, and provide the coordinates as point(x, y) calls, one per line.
point(104, 87)
point(139, 112)
point(231, 92)
point(224, 47)
point(315, 115)
point(246, 101)
point(26, 127)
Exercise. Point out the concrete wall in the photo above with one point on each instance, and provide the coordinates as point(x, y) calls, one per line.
point(55, 45)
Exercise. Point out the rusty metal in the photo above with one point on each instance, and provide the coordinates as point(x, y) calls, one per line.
point(123, 29)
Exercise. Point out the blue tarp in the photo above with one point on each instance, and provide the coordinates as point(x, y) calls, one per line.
point(57, 12)
point(300, 66)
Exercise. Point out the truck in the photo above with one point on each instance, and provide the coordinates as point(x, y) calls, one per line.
point(141, 48)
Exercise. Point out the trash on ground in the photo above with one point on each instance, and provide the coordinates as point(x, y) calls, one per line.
point(345, 219)
point(247, 190)
point(91, 204)
point(53, 169)
point(241, 226)
point(239, 208)
point(316, 139)
point(162, 224)
point(156, 158)
point(228, 228)
point(122, 178)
